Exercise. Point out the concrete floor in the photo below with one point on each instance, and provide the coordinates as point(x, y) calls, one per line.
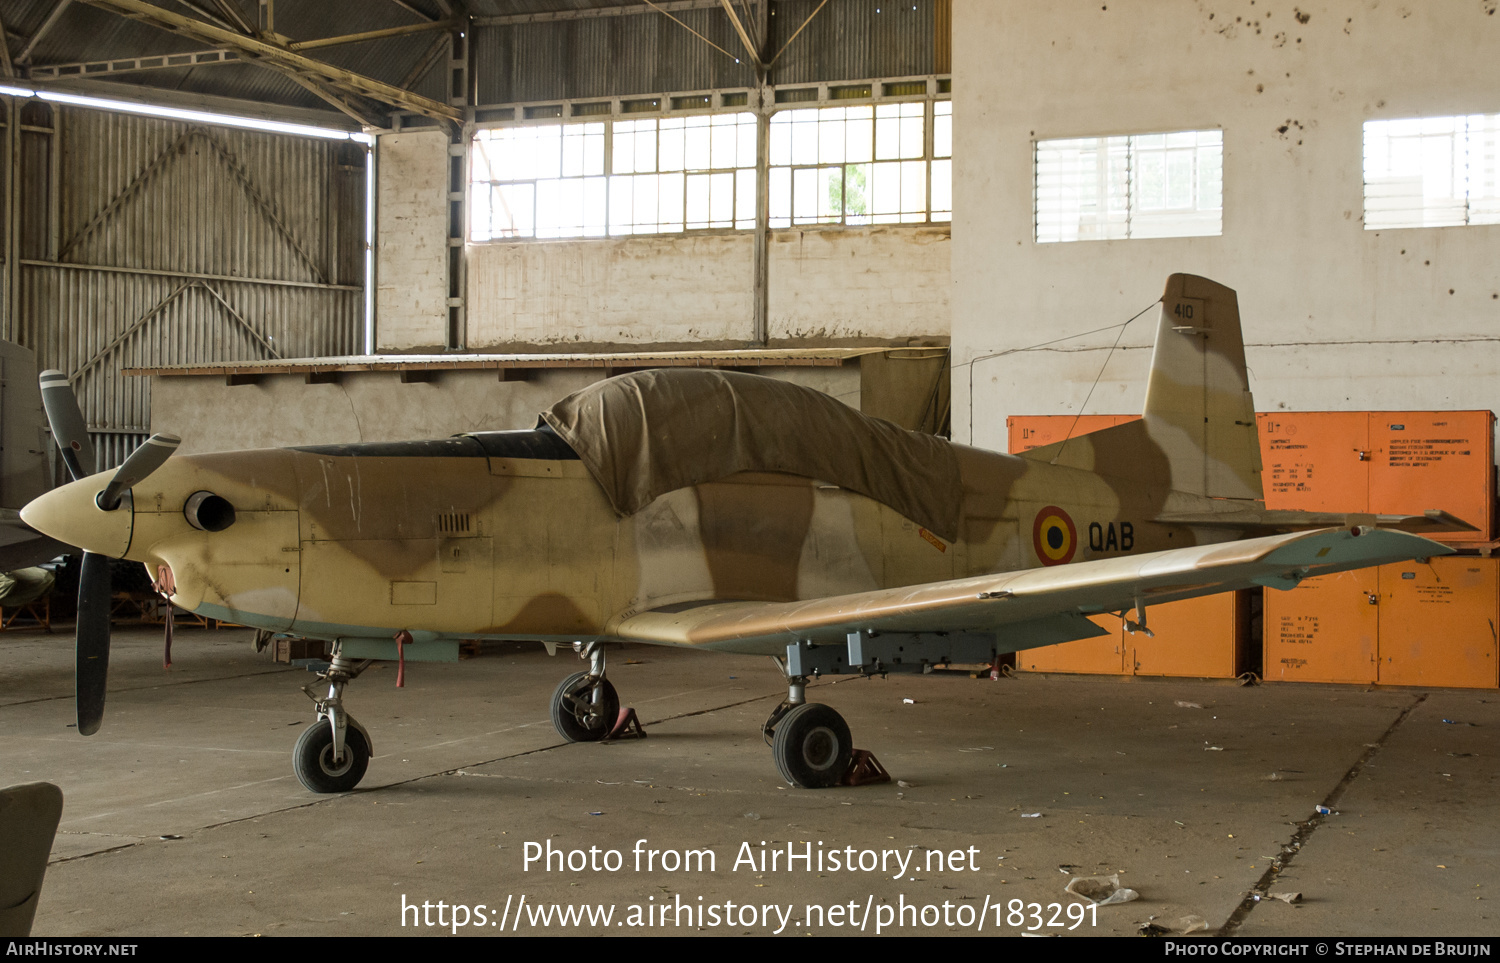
point(183, 816)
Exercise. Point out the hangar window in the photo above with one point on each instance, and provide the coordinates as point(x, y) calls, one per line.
point(1432, 172)
point(1142, 185)
point(640, 176)
point(683, 173)
point(872, 164)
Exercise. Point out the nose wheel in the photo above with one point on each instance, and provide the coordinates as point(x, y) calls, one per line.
point(320, 769)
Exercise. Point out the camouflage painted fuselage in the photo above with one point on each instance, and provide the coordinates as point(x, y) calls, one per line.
point(463, 538)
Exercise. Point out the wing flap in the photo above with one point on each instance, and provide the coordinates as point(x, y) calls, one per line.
point(1002, 601)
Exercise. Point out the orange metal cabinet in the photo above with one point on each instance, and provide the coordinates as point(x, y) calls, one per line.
point(1325, 630)
point(1199, 638)
point(1033, 431)
point(1431, 623)
point(1421, 460)
point(1102, 655)
point(1315, 461)
point(1438, 622)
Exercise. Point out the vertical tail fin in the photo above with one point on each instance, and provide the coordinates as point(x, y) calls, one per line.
point(1197, 433)
point(1198, 406)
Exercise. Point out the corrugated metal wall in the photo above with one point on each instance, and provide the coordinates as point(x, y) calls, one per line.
point(165, 243)
point(854, 40)
point(648, 53)
point(604, 56)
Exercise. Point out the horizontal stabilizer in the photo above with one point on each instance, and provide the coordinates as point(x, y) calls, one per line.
point(1428, 523)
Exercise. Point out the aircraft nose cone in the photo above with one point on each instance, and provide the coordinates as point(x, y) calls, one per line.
point(70, 514)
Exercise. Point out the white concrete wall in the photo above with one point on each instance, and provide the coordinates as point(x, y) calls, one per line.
point(638, 290)
point(1336, 317)
point(825, 285)
point(836, 283)
point(411, 245)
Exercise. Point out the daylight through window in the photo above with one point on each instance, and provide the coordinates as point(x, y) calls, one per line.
point(1143, 185)
point(868, 164)
point(649, 176)
point(862, 165)
point(1432, 172)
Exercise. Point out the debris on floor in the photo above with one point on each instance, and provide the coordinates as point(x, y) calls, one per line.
point(1182, 926)
point(1101, 890)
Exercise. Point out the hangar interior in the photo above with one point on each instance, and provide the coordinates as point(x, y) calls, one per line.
point(261, 225)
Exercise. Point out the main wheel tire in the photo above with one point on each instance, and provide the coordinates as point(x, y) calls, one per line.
point(577, 716)
point(313, 759)
point(812, 746)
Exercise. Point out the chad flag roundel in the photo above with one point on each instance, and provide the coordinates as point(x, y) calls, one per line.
point(1054, 536)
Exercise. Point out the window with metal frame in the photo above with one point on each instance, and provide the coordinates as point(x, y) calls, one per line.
point(653, 175)
point(869, 164)
point(1432, 171)
point(1135, 186)
point(683, 174)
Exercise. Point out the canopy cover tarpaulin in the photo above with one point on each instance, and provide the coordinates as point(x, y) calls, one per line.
point(644, 434)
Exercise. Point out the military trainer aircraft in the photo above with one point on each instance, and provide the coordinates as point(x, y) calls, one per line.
point(710, 510)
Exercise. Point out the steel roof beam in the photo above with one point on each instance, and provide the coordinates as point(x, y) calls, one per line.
point(25, 55)
point(271, 54)
point(236, 18)
point(130, 65)
point(5, 62)
point(357, 108)
point(372, 35)
point(739, 28)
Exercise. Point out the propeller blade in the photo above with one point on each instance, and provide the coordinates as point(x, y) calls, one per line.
point(141, 463)
point(68, 426)
point(91, 671)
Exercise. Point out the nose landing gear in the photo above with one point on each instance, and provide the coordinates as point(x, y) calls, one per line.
point(333, 753)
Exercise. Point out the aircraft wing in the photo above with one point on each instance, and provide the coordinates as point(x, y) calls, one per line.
point(1428, 523)
point(1039, 606)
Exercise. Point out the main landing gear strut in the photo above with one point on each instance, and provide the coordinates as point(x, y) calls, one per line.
point(333, 753)
point(585, 706)
point(810, 742)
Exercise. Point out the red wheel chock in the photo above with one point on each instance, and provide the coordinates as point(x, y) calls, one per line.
point(627, 726)
point(864, 769)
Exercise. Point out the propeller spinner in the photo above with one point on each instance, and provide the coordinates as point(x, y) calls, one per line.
point(91, 671)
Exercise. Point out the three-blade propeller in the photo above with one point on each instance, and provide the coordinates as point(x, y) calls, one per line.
point(71, 433)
